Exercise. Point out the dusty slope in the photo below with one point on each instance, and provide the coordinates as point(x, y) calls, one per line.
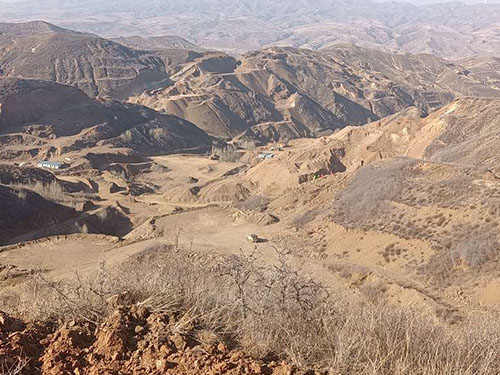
point(95, 65)
point(288, 93)
point(463, 132)
point(470, 133)
point(45, 119)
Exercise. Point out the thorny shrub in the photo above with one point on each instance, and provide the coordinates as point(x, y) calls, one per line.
point(271, 308)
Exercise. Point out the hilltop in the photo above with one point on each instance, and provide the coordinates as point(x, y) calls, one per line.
point(22, 29)
point(95, 65)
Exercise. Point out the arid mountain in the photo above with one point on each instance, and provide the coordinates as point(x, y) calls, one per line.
point(22, 29)
point(40, 119)
point(266, 95)
point(95, 65)
point(225, 97)
point(450, 30)
point(288, 93)
point(166, 209)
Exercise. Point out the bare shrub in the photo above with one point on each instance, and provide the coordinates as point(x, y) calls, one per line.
point(477, 246)
point(52, 191)
point(301, 219)
point(276, 310)
point(253, 203)
point(84, 229)
point(21, 194)
point(374, 292)
point(227, 153)
point(15, 368)
point(370, 194)
point(472, 247)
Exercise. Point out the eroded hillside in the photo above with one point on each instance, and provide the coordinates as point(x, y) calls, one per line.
point(95, 65)
point(289, 93)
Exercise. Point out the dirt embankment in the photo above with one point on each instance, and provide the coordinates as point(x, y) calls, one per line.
point(132, 340)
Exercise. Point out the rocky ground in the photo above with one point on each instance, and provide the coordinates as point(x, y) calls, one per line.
point(131, 340)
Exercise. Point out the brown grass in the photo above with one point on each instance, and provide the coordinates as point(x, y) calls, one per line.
point(275, 310)
point(227, 153)
point(52, 191)
point(253, 203)
point(388, 197)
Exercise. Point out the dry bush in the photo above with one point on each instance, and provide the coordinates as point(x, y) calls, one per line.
point(14, 369)
point(253, 203)
point(472, 247)
point(227, 153)
point(476, 246)
point(373, 292)
point(370, 194)
point(52, 191)
point(392, 252)
point(301, 219)
point(275, 310)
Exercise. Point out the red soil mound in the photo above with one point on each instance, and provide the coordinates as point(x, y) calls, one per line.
point(132, 340)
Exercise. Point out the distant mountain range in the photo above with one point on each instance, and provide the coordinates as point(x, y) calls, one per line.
point(450, 30)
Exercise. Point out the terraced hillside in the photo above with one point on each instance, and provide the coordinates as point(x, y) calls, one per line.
point(95, 65)
point(288, 93)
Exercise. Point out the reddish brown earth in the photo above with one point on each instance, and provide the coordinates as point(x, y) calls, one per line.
point(131, 340)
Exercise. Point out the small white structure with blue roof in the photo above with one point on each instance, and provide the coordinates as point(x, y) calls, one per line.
point(50, 164)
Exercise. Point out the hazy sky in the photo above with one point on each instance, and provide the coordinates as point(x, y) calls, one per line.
point(65, 3)
point(422, 2)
